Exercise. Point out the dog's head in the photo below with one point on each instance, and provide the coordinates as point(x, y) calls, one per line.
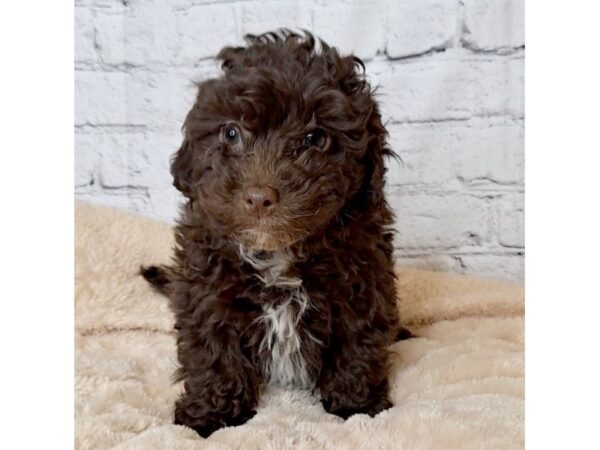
point(278, 146)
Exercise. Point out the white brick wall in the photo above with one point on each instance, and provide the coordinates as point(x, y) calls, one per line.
point(450, 77)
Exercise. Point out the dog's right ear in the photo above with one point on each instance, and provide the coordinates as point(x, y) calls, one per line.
point(182, 166)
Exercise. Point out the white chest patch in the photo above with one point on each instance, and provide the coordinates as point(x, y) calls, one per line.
point(286, 365)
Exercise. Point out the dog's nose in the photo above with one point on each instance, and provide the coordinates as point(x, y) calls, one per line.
point(259, 201)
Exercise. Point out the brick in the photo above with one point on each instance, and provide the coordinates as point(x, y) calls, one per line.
point(493, 152)
point(447, 153)
point(494, 24)
point(135, 159)
point(141, 35)
point(85, 50)
point(205, 29)
point(87, 160)
point(419, 162)
point(511, 221)
point(161, 100)
point(165, 202)
point(439, 221)
point(452, 85)
point(415, 27)
point(111, 38)
point(100, 98)
point(354, 28)
point(501, 267)
point(260, 17)
point(149, 99)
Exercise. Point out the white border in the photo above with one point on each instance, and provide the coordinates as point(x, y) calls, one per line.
point(36, 176)
point(562, 225)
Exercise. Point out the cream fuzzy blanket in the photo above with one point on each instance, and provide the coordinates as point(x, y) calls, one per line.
point(459, 385)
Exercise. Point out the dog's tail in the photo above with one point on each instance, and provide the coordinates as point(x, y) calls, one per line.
point(160, 277)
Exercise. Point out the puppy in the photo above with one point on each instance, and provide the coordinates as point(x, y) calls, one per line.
point(283, 270)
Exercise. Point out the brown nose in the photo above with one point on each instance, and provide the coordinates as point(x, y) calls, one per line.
point(259, 201)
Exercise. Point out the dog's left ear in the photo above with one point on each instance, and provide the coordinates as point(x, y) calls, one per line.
point(374, 161)
point(352, 82)
point(377, 151)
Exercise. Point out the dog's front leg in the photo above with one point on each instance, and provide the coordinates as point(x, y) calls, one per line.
point(354, 379)
point(220, 385)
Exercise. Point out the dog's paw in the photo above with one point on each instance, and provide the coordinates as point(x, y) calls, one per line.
point(204, 430)
point(344, 411)
point(378, 406)
point(240, 419)
point(205, 427)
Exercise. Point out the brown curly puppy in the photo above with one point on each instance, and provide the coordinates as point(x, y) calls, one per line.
point(283, 265)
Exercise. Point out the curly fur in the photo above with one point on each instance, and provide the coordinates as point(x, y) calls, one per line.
point(302, 297)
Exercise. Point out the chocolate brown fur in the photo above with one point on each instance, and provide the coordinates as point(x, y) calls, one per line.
point(326, 243)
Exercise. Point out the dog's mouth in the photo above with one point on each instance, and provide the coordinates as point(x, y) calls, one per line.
point(275, 231)
point(265, 236)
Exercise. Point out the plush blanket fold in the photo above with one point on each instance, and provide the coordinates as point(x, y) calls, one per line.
point(458, 385)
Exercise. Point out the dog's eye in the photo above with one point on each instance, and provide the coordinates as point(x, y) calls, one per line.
point(315, 138)
point(231, 134)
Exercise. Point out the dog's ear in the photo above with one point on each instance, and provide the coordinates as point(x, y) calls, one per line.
point(377, 151)
point(182, 166)
point(350, 74)
point(371, 194)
